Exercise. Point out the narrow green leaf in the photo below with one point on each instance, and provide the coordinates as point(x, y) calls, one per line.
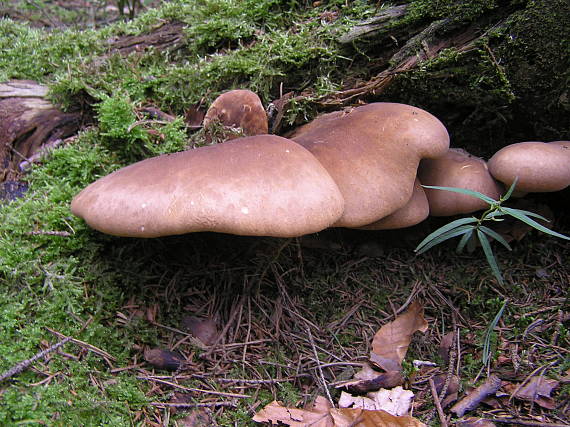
point(490, 256)
point(444, 229)
point(489, 335)
point(524, 218)
point(528, 213)
point(458, 231)
point(511, 189)
point(472, 193)
point(464, 241)
point(495, 236)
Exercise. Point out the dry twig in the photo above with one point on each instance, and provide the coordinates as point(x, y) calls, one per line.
point(23, 365)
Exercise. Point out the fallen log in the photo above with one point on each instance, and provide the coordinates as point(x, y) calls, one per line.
point(28, 121)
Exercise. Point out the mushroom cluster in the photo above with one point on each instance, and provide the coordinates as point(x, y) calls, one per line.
point(360, 168)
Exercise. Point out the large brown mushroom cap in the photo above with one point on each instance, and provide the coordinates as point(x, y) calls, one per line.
point(412, 213)
point(539, 166)
point(372, 152)
point(261, 185)
point(457, 168)
point(239, 109)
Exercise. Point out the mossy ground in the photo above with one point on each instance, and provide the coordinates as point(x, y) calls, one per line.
point(121, 295)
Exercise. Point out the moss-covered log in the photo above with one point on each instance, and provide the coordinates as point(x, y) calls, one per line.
point(495, 72)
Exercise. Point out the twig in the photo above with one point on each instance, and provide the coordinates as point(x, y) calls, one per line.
point(319, 366)
point(48, 233)
point(85, 345)
point(195, 390)
point(473, 399)
point(192, 405)
point(437, 402)
point(255, 382)
point(20, 367)
point(522, 422)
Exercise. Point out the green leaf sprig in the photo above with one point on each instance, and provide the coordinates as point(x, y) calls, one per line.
point(472, 229)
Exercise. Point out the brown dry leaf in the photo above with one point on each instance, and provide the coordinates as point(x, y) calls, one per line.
point(445, 346)
point(197, 418)
point(323, 415)
point(369, 379)
point(318, 416)
point(537, 389)
point(348, 417)
point(204, 329)
point(391, 342)
point(163, 359)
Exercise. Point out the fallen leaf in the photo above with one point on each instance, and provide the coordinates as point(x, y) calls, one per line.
point(163, 359)
point(323, 415)
point(391, 342)
point(452, 391)
point(204, 329)
point(445, 346)
point(197, 418)
point(369, 379)
point(536, 389)
point(317, 416)
point(349, 401)
point(347, 417)
point(396, 401)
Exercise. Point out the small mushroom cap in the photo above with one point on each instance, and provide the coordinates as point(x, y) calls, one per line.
point(457, 168)
point(412, 213)
point(372, 152)
point(539, 166)
point(241, 109)
point(260, 186)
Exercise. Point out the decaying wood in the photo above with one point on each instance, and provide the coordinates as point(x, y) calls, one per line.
point(473, 399)
point(165, 37)
point(374, 25)
point(423, 46)
point(27, 122)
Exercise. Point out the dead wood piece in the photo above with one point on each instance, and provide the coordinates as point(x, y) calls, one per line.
point(473, 399)
point(167, 36)
point(372, 26)
point(437, 403)
point(22, 89)
point(27, 122)
point(423, 46)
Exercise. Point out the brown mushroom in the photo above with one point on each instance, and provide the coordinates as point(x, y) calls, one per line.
point(241, 111)
point(539, 166)
point(372, 152)
point(412, 213)
point(457, 168)
point(563, 144)
point(261, 185)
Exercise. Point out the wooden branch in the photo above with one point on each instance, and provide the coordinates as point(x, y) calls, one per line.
point(371, 27)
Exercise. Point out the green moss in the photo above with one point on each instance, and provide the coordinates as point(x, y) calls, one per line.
point(453, 10)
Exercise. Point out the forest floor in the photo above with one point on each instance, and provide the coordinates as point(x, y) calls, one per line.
point(208, 329)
